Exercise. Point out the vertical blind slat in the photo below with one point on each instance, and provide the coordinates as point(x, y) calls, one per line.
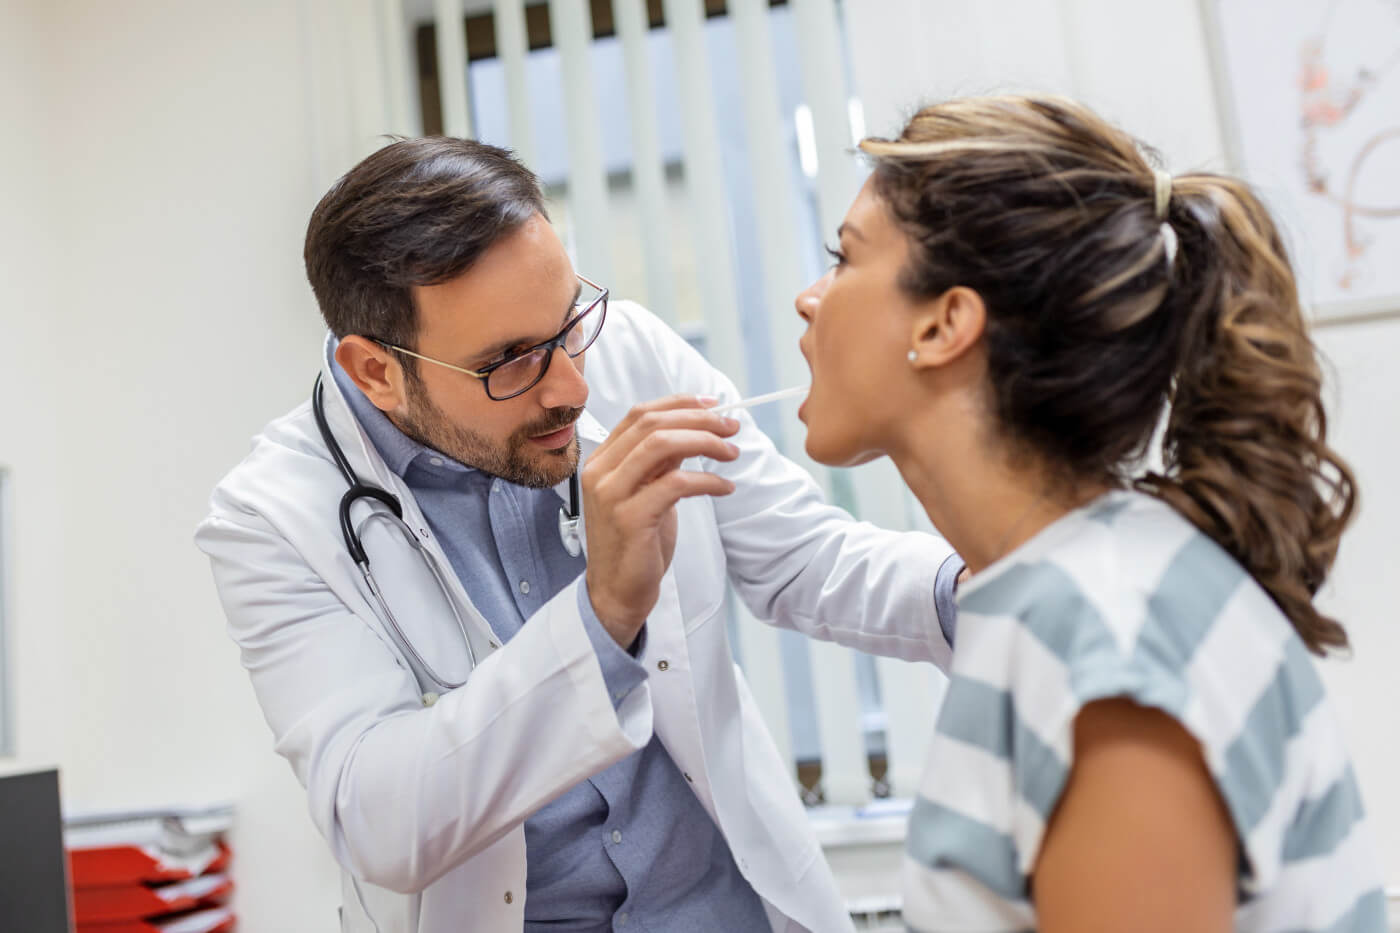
point(763, 669)
point(764, 124)
point(512, 45)
point(911, 694)
point(648, 173)
point(571, 25)
point(824, 89)
point(845, 774)
point(369, 76)
point(450, 24)
point(398, 76)
point(704, 178)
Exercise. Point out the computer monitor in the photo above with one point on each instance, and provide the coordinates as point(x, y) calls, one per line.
point(34, 895)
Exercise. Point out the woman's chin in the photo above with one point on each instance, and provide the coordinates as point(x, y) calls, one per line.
point(830, 452)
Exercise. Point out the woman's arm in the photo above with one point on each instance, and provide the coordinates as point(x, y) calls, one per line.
point(1140, 839)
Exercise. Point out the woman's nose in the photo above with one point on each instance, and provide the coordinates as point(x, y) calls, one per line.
point(808, 299)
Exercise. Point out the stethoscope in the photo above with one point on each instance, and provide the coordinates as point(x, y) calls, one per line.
point(569, 536)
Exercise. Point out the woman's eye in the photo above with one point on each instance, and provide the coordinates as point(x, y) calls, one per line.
point(837, 257)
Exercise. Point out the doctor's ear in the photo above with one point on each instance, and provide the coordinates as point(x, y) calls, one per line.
point(376, 371)
point(946, 327)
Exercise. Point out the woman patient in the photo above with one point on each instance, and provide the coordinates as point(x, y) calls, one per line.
point(1134, 738)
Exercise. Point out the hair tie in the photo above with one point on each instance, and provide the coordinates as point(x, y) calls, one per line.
point(1164, 192)
point(1162, 182)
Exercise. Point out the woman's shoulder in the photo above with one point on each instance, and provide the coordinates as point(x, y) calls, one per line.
point(1126, 577)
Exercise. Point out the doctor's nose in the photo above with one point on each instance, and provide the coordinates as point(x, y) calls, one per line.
point(563, 385)
point(811, 296)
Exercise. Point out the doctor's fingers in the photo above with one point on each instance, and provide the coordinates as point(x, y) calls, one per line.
point(652, 455)
point(659, 496)
point(642, 422)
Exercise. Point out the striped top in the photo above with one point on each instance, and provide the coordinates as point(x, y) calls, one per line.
point(1125, 598)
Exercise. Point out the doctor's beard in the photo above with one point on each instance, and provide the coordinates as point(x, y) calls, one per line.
point(517, 461)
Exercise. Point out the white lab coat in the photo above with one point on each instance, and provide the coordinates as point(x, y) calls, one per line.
point(423, 805)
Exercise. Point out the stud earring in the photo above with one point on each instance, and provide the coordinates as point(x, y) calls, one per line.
point(913, 356)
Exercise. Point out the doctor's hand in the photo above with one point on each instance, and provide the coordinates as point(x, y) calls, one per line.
point(631, 485)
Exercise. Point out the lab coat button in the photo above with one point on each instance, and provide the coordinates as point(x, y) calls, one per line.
point(688, 777)
point(509, 899)
point(663, 665)
point(429, 698)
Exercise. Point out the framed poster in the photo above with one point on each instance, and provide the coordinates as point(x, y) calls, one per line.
point(1309, 94)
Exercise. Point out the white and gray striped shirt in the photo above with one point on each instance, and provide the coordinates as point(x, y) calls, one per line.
point(1125, 598)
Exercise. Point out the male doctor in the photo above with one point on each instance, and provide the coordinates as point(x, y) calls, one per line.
point(505, 721)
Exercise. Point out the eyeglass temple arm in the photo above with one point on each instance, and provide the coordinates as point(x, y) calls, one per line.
point(429, 359)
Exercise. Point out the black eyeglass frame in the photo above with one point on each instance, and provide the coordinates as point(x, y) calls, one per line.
point(557, 341)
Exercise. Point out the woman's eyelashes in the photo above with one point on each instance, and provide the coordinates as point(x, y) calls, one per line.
point(838, 258)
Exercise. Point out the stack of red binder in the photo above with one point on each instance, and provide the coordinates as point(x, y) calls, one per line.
point(151, 871)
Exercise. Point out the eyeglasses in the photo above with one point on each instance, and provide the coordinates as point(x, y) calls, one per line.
point(517, 373)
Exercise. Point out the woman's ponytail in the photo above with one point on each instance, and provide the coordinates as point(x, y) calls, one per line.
point(1111, 287)
point(1245, 447)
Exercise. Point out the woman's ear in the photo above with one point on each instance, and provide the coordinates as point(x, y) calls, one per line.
point(946, 327)
point(373, 369)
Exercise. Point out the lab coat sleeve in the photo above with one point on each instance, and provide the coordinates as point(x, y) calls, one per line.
point(803, 564)
point(405, 793)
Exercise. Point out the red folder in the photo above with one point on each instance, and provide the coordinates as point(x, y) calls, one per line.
point(135, 901)
point(215, 920)
point(136, 846)
point(129, 865)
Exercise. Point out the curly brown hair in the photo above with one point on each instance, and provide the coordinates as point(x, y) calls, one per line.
point(1095, 323)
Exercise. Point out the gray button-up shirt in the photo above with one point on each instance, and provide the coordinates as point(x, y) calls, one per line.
point(631, 848)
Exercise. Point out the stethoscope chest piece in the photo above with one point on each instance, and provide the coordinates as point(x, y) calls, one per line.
point(568, 533)
point(569, 519)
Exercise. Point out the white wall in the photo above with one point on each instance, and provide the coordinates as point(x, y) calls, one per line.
point(163, 177)
point(1146, 67)
point(29, 432)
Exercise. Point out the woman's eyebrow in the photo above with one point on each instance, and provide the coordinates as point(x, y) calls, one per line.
point(850, 228)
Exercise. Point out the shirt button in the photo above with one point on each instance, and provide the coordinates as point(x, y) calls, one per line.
point(509, 899)
point(663, 665)
point(525, 587)
point(436, 461)
point(616, 836)
point(622, 919)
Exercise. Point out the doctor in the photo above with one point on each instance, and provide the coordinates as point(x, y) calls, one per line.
point(503, 720)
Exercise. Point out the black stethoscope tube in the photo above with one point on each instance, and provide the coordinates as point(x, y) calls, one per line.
point(568, 518)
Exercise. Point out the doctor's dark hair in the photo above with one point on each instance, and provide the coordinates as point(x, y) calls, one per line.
point(1093, 327)
point(416, 212)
